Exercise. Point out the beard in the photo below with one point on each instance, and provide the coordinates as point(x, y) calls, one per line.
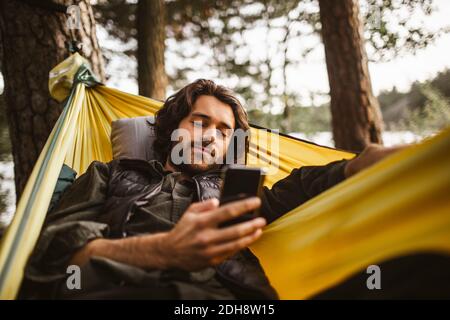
point(197, 162)
point(193, 169)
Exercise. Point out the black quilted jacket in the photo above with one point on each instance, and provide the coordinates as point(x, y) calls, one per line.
point(132, 197)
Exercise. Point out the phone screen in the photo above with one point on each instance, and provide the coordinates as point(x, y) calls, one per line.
point(240, 182)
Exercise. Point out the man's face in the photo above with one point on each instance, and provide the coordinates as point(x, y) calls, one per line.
point(206, 135)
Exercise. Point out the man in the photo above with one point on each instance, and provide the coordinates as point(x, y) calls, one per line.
point(133, 229)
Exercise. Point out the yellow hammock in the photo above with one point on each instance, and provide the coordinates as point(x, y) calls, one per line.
point(397, 207)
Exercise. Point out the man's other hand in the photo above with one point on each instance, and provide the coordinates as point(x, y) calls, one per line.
point(370, 155)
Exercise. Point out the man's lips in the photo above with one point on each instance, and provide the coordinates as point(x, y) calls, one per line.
point(205, 150)
point(202, 149)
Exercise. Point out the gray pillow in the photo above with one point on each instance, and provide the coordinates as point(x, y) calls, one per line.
point(133, 138)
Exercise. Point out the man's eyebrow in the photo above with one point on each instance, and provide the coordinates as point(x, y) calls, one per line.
point(206, 117)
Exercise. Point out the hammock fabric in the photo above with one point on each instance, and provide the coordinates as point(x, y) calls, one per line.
point(397, 207)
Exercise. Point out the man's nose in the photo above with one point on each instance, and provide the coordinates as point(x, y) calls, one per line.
point(209, 137)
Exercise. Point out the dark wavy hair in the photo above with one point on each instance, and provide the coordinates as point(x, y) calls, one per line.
point(179, 105)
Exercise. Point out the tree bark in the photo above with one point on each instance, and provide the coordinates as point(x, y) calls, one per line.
point(33, 42)
point(356, 116)
point(152, 76)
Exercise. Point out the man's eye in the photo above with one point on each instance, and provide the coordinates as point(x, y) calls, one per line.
point(198, 124)
point(222, 133)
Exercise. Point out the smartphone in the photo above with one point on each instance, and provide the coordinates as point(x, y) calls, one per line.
point(240, 182)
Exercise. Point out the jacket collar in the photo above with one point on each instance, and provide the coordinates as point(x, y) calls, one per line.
point(156, 166)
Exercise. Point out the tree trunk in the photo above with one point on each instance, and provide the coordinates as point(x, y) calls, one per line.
point(152, 76)
point(356, 115)
point(33, 38)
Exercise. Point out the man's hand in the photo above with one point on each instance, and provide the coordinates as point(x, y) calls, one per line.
point(370, 155)
point(196, 242)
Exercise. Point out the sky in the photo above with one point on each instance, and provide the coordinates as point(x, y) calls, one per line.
point(311, 77)
point(400, 72)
